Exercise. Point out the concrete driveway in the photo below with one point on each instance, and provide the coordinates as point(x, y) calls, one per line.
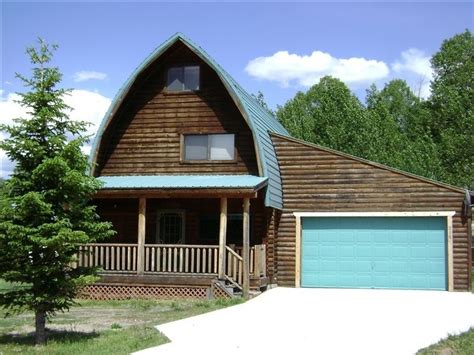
point(323, 321)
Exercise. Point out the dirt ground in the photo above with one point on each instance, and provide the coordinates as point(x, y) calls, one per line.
point(94, 316)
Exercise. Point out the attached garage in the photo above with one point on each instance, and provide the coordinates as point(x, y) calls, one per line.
point(375, 250)
point(348, 222)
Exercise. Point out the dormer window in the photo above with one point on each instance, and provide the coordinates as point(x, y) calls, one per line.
point(183, 78)
point(209, 147)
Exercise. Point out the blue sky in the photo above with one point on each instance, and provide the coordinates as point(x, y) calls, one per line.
point(265, 46)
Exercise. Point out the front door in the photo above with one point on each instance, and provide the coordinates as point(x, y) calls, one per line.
point(170, 227)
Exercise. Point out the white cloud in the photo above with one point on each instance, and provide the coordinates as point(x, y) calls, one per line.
point(306, 70)
point(415, 64)
point(9, 108)
point(85, 75)
point(87, 106)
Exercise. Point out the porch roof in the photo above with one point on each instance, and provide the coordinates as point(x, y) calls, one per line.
point(175, 182)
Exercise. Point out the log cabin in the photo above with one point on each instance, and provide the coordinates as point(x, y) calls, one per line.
point(211, 197)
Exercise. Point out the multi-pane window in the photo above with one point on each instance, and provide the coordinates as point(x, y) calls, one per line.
point(183, 78)
point(209, 147)
point(170, 227)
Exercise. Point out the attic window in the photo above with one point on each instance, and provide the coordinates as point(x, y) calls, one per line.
point(184, 78)
point(209, 147)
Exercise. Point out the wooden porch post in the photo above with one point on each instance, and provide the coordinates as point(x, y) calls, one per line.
point(245, 248)
point(222, 238)
point(141, 235)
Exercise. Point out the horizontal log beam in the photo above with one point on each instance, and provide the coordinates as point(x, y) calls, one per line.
point(168, 193)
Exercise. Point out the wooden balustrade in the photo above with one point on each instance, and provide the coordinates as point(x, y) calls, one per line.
point(258, 258)
point(171, 258)
point(178, 258)
point(109, 257)
point(234, 269)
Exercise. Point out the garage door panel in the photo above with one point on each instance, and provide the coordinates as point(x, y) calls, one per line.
point(374, 252)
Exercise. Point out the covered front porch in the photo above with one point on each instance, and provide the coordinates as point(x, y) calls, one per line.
point(182, 238)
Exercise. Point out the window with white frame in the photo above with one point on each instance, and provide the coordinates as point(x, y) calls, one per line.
point(183, 78)
point(209, 147)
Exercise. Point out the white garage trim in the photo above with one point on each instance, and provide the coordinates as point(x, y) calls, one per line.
point(376, 214)
point(449, 226)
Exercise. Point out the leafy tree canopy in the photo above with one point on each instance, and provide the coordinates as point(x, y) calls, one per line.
point(432, 138)
point(452, 108)
point(327, 114)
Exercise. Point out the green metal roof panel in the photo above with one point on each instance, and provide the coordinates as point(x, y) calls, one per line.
point(259, 120)
point(183, 181)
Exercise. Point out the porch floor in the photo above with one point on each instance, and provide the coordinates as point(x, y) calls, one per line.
point(169, 279)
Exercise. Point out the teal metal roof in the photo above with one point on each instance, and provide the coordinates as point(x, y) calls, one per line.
point(259, 120)
point(183, 181)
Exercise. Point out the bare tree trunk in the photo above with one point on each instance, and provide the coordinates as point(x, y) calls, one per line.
point(40, 323)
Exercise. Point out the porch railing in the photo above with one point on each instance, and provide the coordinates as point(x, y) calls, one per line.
point(194, 259)
point(172, 258)
point(110, 257)
point(257, 256)
point(234, 269)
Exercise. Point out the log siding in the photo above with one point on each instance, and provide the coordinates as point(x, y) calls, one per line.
point(319, 180)
point(145, 136)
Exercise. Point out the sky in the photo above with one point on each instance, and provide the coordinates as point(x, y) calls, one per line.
point(278, 48)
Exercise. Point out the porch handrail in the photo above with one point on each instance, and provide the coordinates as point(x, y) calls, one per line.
point(109, 244)
point(257, 262)
point(234, 267)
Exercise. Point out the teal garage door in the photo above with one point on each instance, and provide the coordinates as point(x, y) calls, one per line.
point(374, 252)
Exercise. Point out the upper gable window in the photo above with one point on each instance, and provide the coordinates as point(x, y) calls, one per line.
point(184, 78)
point(205, 147)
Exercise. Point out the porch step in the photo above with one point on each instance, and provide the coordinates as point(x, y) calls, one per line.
point(253, 293)
point(258, 283)
point(223, 286)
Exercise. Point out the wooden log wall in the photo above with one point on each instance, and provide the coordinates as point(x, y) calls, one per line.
point(270, 240)
point(319, 180)
point(144, 136)
point(123, 213)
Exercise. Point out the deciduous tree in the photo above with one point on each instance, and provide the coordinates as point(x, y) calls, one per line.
point(452, 108)
point(330, 115)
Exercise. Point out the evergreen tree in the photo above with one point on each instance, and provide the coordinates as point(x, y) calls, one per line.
point(47, 213)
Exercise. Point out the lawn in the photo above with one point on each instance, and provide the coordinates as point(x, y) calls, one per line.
point(100, 327)
point(462, 344)
point(454, 344)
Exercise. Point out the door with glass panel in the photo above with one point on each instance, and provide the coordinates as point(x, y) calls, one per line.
point(170, 227)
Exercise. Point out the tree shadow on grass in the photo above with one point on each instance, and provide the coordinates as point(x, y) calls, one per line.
point(58, 336)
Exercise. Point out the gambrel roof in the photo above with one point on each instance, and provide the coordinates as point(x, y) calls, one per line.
point(260, 121)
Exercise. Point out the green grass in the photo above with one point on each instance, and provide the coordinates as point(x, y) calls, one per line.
point(101, 327)
point(462, 344)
